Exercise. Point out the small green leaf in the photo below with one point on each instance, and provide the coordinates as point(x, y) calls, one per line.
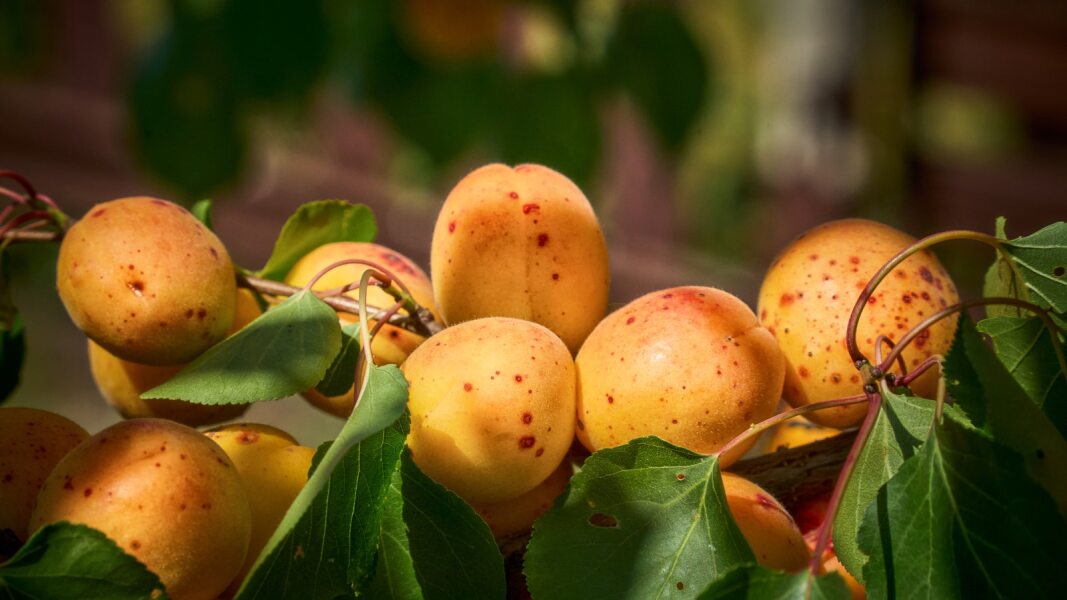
point(315, 224)
point(1041, 259)
point(283, 352)
point(325, 546)
point(433, 545)
point(759, 583)
point(64, 561)
point(900, 427)
point(341, 375)
point(1001, 280)
point(202, 211)
point(962, 520)
point(652, 511)
point(1028, 351)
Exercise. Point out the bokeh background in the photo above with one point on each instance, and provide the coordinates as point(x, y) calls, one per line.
point(707, 134)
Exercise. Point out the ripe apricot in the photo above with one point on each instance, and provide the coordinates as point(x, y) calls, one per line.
point(121, 382)
point(147, 281)
point(807, 297)
point(492, 407)
point(511, 518)
point(165, 494)
point(520, 242)
point(798, 431)
point(392, 344)
point(769, 530)
point(32, 441)
point(273, 468)
point(689, 364)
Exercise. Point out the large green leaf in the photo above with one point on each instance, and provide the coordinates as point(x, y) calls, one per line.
point(63, 561)
point(900, 427)
point(1028, 350)
point(315, 224)
point(433, 545)
point(325, 546)
point(283, 352)
point(962, 520)
point(759, 583)
point(1041, 259)
point(644, 520)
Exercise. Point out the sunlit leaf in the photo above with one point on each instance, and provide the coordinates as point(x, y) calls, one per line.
point(315, 224)
point(759, 583)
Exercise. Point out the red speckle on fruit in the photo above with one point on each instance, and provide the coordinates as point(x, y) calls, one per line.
point(854, 260)
point(518, 379)
point(925, 295)
point(611, 399)
point(786, 300)
point(200, 314)
point(88, 492)
point(542, 239)
point(813, 257)
point(925, 273)
point(452, 227)
point(763, 315)
point(527, 441)
point(247, 437)
point(527, 418)
point(99, 212)
point(467, 387)
point(68, 484)
point(871, 300)
point(555, 277)
point(802, 371)
point(906, 298)
point(539, 452)
point(767, 503)
point(630, 320)
point(922, 338)
point(530, 207)
point(135, 545)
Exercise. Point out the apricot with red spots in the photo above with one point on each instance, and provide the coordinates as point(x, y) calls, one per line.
point(521, 242)
point(807, 297)
point(392, 344)
point(689, 364)
point(769, 530)
point(166, 494)
point(492, 407)
point(146, 281)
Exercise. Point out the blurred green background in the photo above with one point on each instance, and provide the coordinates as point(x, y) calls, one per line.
point(706, 133)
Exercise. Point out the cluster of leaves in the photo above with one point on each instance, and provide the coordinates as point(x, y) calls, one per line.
point(964, 502)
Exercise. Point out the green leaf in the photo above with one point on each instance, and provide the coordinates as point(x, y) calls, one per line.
point(1001, 280)
point(962, 520)
point(202, 211)
point(65, 561)
point(1028, 350)
point(341, 375)
point(283, 352)
point(996, 404)
point(900, 427)
point(433, 545)
point(759, 583)
point(1041, 259)
point(315, 224)
point(325, 546)
point(637, 521)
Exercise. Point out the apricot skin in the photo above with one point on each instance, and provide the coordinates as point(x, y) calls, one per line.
point(165, 494)
point(122, 382)
point(798, 431)
point(511, 518)
point(769, 530)
point(492, 407)
point(392, 344)
point(689, 364)
point(520, 243)
point(147, 281)
point(807, 297)
point(32, 441)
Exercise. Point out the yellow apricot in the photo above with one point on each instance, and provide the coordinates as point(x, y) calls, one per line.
point(807, 297)
point(392, 344)
point(165, 494)
point(514, 517)
point(689, 364)
point(273, 469)
point(520, 243)
point(147, 281)
point(492, 407)
point(121, 382)
point(798, 431)
point(769, 530)
point(32, 441)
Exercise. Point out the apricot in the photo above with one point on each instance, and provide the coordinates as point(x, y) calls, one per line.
point(32, 441)
point(273, 468)
point(165, 494)
point(392, 344)
point(798, 431)
point(147, 281)
point(807, 297)
point(492, 407)
point(769, 530)
point(121, 382)
point(520, 243)
point(688, 364)
point(511, 518)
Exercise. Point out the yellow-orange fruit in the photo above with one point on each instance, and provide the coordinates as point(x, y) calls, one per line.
point(165, 494)
point(520, 243)
point(147, 281)
point(689, 364)
point(453, 30)
point(492, 407)
point(392, 344)
point(273, 468)
point(121, 382)
point(807, 297)
point(769, 530)
point(514, 517)
point(798, 431)
point(32, 441)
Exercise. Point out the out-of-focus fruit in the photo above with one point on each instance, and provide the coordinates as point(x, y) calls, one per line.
point(769, 530)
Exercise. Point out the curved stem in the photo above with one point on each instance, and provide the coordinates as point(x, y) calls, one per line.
point(21, 180)
point(758, 428)
point(865, 295)
point(826, 527)
point(919, 369)
point(884, 339)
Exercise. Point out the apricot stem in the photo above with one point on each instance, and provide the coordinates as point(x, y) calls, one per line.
point(854, 319)
point(919, 369)
point(757, 428)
